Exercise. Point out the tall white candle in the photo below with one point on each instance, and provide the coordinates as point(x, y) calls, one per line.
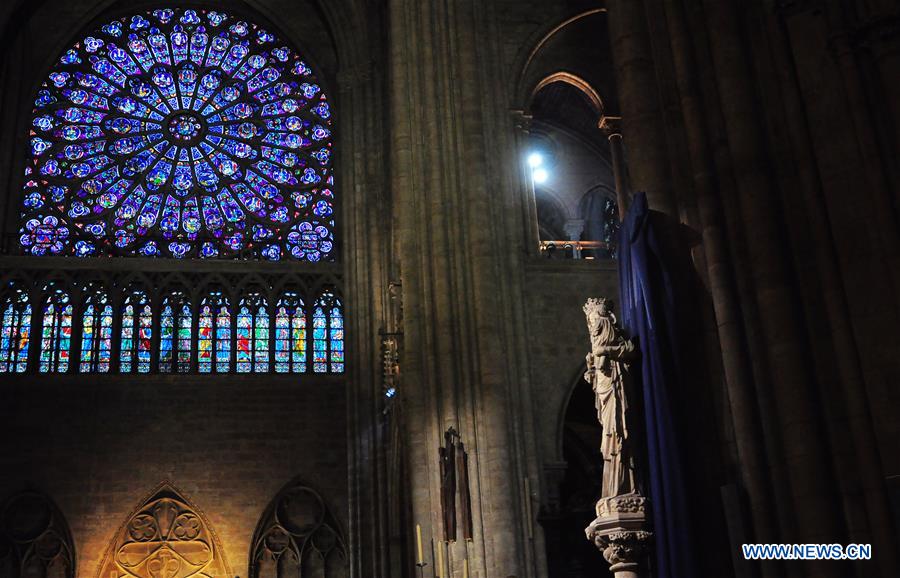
point(420, 560)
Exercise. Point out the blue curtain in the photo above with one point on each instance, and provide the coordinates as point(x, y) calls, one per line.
point(650, 316)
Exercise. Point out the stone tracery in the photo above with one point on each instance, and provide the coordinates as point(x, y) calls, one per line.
point(298, 535)
point(35, 541)
point(166, 537)
point(180, 133)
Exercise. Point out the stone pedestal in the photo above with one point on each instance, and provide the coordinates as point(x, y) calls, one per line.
point(620, 532)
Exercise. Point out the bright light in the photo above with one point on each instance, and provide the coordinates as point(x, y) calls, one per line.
point(535, 160)
point(540, 175)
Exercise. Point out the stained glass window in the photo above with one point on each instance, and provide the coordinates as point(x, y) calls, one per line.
point(214, 339)
point(96, 334)
point(137, 333)
point(611, 226)
point(253, 334)
point(175, 329)
point(180, 133)
point(328, 334)
point(290, 334)
point(14, 339)
point(56, 332)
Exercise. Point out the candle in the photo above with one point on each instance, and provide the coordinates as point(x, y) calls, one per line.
point(466, 568)
point(440, 573)
point(420, 560)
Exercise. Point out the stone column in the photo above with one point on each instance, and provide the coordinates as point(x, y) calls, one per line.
point(741, 393)
point(864, 460)
point(882, 193)
point(522, 123)
point(612, 127)
point(639, 100)
point(463, 361)
point(883, 39)
point(573, 229)
point(807, 462)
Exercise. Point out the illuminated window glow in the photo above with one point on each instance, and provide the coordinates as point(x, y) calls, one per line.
point(180, 133)
point(175, 334)
point(328, 335)
point(137, 333)
point(96, 334)
point(56, 333)
point(290, 335)
point(214, 339)
point(253, 335)
point(14, 338)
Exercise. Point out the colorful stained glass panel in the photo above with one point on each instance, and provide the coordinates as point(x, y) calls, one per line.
point(56, 333)
point(196, 134)
point(96, 335)
point(15, 332)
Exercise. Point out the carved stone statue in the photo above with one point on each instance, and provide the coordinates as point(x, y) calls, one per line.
point(620, 530)
point(607, 372)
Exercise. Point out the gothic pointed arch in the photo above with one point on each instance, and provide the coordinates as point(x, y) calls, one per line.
point(35, 541)
point(166, 536)
point(298, 535)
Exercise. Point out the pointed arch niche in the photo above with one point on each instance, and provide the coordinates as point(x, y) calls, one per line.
point(166, 536)
point(297, 535)
point(35, 541)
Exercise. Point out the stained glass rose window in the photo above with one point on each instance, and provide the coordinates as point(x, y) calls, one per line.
point(180, 133)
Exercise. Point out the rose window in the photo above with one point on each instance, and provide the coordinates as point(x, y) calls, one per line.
point(180, 133)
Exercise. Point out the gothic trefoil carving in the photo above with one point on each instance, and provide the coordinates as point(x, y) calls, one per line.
point(34, 539)
point(298, 536)
point(166, 537)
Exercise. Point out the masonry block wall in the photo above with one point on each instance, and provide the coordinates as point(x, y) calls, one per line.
point(557, 289)
point(98, 445)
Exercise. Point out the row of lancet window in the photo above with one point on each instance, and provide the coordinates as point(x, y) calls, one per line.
point(172, 336)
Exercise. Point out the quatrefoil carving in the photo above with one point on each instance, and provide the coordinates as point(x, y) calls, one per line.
point(165, 537)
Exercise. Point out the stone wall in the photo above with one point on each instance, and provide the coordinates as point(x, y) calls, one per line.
point(99, 445)
point(558, 339)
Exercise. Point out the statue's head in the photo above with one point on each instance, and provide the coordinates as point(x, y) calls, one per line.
point(596, 308)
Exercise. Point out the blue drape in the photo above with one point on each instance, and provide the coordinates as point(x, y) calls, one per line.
point(650, 316)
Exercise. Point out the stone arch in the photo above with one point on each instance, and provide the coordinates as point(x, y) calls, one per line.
point(572, 483)
point(35, 541)
point(166, 536)
point(534, 64)
point(576, 81)
point(298, 535)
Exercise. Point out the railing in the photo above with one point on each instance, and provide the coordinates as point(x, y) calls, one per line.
point(578, 250)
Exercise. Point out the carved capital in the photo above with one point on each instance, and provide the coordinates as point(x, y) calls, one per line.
point(521, 120)
point(620, 531)
point(626, 548)
point(610, 125)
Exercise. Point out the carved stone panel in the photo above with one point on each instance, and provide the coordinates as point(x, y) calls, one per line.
point(298, 536)
point(165, 537)
point(34, 539)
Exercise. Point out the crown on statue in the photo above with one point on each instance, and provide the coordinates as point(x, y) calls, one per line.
point(598, 304)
